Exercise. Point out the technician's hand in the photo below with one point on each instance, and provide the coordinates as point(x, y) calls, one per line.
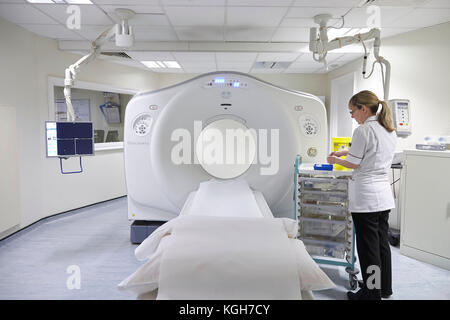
point(333, 154)
point(331, 159)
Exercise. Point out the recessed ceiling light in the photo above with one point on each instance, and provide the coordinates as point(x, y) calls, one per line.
point(40, 1)
point(172, 64)
point(151, 64)
point(79, 1)
point(160, 64)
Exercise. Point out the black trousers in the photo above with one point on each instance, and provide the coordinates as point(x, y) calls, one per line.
point(373, 248)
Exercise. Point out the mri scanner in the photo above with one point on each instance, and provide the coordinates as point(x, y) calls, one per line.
point(284, 123)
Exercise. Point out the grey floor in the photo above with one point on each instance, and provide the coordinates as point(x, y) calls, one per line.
point(34, 261)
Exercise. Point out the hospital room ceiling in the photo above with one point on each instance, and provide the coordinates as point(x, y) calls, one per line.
point(252, 36)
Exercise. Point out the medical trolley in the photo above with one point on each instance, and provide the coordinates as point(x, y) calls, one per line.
point(325, 222)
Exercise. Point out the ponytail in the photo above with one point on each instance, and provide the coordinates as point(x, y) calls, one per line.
point(385, 117)
point(370, 100)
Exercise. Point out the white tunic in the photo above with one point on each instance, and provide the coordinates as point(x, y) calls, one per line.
point(372, 148)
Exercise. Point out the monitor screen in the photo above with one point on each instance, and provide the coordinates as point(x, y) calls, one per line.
point(69, 139)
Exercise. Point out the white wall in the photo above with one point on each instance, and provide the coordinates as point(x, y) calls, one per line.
point(26, 61)
point(420, 71)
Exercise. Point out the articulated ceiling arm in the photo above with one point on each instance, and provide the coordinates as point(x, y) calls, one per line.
point(124, 38)
point(320, 47)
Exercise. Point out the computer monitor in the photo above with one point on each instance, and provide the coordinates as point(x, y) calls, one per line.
point(69, 139)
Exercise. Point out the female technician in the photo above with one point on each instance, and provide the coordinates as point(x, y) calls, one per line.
point(370, 196)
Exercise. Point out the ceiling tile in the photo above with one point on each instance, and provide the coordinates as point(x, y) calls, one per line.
point(234, 65)
point(389, 32)
point(193, 2)
point(136, 8)
point(24, 13)
point(128, 2)
point(89, 14)
point(327, 3)
point(199, 70)
point(236, 56)
point(154, 33)
point(91, 32)
point(291, 35)
point(305, 65)
point(195, 56)
point(360, 18)
point(59, 32)
point(310, 12)
point(420, 18)
point(256, 70)
point(303, 22)
point(437, 4)
point(211, 33)
point(300, 70)
point(277, 56)
point(196, 16)
point(260, 3)
point(145, 19)
point(168, 70)
point(255, 16)
point(242, 70)
point(248, 34)
point(151, 56)
point(197, 64)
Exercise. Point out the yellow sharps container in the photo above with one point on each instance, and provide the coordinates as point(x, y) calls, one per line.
point(339, 143)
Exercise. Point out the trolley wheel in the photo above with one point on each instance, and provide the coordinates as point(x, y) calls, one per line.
point(353, 281)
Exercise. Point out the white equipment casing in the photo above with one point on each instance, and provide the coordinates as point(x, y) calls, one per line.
point(157, 187)
point(401, 113)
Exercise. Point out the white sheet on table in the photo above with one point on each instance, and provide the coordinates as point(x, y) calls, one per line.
point(228, 258)
point(223, 198)
point(259, 198)
point(146, 278)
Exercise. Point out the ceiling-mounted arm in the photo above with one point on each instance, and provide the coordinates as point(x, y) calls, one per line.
point(319, 46)
point(124, 38)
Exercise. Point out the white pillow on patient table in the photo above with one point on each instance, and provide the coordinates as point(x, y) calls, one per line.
point(225, 198)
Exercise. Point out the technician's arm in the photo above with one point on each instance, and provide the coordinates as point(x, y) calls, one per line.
point(342, 162)
point(340, 153)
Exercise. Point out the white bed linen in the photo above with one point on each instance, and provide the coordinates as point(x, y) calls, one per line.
point(222, 198)
point(146, 278)
point(228, 258)
point(259, 197)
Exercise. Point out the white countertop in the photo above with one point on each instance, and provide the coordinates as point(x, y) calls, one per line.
point(432, 153)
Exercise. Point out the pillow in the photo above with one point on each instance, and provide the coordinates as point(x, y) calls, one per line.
point(225, 198)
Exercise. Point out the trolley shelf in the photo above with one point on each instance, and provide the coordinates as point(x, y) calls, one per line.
point(325, 223)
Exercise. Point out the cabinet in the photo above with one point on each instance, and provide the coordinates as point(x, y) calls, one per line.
point(325, 223)
point(425, 209)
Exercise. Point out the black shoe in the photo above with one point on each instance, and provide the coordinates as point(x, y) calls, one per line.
point(385, 295)
point(362, 294)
